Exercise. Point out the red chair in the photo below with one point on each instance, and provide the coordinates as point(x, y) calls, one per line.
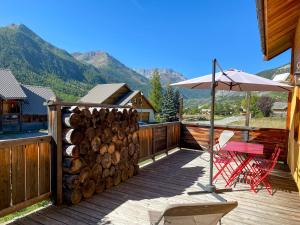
point(259, 171)
point(222, 160)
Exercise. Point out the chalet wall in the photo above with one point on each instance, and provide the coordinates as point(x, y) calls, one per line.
point(149, 111)
point(294, 114)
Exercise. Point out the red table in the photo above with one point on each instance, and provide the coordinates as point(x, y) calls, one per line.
point(241, 153)
point(244, 147)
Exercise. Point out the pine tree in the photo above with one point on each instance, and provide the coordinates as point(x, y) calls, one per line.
point(155, 91)
point(177, 100)
point(168, 109)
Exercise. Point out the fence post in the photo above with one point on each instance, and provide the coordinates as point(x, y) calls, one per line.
point(55, 130)
point(167, 139)
point(153, 143)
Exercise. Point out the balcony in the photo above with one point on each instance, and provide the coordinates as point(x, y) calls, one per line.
point(170, 178)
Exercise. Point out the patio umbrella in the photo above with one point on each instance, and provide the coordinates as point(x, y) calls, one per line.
point(230, 80)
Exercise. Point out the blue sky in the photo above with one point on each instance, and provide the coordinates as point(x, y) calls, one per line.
point(180, 34)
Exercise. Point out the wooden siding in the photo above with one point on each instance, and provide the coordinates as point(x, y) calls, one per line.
point(141, 105)
point(294, 114)
point(168, 181)
point(144, 116)
point(117, 95)
point(24, 172)
point(195, 136)
point(280, 19)
point(158, 138)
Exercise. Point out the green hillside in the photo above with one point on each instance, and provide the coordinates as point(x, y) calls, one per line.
point(272, 72)
point(114, 70)
point(35, 61)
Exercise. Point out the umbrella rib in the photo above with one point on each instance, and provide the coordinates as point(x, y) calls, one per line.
point(283, 88)
point(229, 78)
point(196, 85)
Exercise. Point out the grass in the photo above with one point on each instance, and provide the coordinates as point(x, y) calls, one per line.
point(24, 211)
point(266, 122)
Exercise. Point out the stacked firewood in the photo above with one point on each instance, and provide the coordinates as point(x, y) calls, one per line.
point(101, 149)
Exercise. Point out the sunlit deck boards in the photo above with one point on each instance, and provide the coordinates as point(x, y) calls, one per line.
point(168, 181)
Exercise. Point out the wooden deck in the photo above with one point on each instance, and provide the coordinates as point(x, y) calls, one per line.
point(168, 181)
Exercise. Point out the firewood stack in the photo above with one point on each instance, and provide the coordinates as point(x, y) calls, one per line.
point(101, 149)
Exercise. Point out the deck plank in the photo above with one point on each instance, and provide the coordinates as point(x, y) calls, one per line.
point(168, 181)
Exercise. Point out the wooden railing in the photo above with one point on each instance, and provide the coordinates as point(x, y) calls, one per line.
point(25, 175)
point(194, 136)
point(158, 138)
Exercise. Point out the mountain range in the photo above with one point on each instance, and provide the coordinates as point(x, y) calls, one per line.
point(166, 75)
point(37, 62)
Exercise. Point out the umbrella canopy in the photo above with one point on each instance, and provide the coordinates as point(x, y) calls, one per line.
point(234, 80)
point(230, 80)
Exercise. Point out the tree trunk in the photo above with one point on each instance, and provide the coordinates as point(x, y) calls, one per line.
point(96, 143)
point(135, 138)
point(90, 133)
point(84, 175)
point(115, 157)
point(71, 151)
point(96, 171)
point(71, 181)
point(72, 165)
point(103, 149)
point(105, 173)
point(71, 120)
point(131, 171)
point(131, 149)
point(72, 136)
point(88, 189)
point(84, 147)
point(112, 171)
point(106, 160)
point(100, 186)
point(111, 148)
point(72, 196)
point(117, 178)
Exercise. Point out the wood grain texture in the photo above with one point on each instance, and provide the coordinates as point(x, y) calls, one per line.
point(18, 174)
point(167, 181)
point(32, 180)
point(5, 195)
point(197, 137)
point(44, 168)
point(279, 20)
point(158, 138)
point(24, 173)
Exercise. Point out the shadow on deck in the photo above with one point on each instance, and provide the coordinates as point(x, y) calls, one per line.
point(168, 181)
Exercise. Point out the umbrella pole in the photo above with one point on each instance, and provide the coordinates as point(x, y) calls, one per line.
point(211, 187)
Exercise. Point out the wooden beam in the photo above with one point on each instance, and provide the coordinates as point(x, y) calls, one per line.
point(55, 130)
point(290, 96)
point(79, 104)
point(24, 141)
point(24, 204)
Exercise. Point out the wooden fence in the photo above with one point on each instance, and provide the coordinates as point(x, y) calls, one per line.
point(158, 138)
point(31, 168)
point(25, 175)
point(194, 136)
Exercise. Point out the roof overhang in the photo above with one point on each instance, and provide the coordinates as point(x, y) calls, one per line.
point(277, 25)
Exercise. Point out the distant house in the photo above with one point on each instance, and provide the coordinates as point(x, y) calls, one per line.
point(22, 106)
point(121, 94)
point(279, 108)
point(205, 111)
point(34, 110)
point(282, 78)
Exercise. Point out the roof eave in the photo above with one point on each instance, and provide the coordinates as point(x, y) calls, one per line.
point(261, 24)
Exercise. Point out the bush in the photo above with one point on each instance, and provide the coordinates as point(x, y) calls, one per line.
point(265, 104)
